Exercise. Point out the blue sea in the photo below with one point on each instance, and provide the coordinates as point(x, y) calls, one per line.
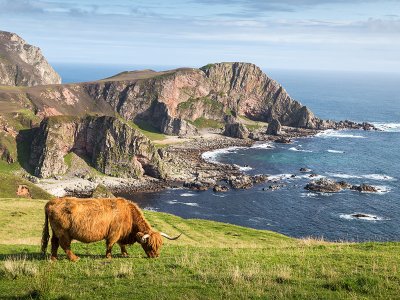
point(354, 156)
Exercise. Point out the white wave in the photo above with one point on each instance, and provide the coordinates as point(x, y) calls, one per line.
point(381, 177)
point(314, 195)
point(149, 208)
point(187, 195)
point(211, 156)
point(334, 151)
point(299, 150)
point(376, 177)
point(331, 133)
point(183, 203)
point(242, 168)
point(268, 145)
point(388, 127)
point(280, 177)
point(382, 189)
point(366, 217)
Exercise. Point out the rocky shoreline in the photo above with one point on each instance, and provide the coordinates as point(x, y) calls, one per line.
point(186, 165)
point(188, 169)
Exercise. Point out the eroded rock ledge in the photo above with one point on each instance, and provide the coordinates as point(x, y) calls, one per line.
point(108, 144)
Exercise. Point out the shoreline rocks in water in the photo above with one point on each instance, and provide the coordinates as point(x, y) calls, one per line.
point(325, 185)
point(220, 188)
point(364, 188)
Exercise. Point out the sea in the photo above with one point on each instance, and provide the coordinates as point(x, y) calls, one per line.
point(355, 156)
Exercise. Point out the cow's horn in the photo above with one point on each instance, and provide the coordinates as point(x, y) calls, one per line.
point(170, 238)
point(145, 237)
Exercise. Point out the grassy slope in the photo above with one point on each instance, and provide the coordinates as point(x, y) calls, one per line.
point(211, 260)
point(9, 185)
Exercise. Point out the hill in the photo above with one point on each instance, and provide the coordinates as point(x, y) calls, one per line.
point(210, 261)
point(22, 64)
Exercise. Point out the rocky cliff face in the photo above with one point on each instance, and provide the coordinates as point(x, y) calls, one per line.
point(170, 99)
point(22, 64)
point(110, 145)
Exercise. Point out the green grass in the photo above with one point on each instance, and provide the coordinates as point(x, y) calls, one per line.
point(190, 104)
point(210, 261)
point(9, 185)
point(68, 159)
point(148, 130)
point(207, 123)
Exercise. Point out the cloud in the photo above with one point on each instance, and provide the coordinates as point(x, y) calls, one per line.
point(260, 6)
point(20, 6)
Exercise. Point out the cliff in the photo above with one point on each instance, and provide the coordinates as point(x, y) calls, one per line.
point(108, 144)
point(182, 96)
point(176, 101)
point(22, 64)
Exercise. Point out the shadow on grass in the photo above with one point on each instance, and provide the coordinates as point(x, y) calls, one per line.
point(36, 256)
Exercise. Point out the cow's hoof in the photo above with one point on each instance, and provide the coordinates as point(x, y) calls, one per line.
point(75, 258)
point(53, 258)
point(125, 255)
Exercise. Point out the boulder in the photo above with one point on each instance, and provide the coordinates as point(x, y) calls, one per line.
point(220, 188)
point(102, 192)
point(274, 127)
point(283, 140)
point(236, 130)
point(324, 185)
point(196, 185)
point(241, 182)
point(23, 191)
point(364, 188)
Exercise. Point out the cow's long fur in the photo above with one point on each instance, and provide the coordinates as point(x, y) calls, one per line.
point(90, 220)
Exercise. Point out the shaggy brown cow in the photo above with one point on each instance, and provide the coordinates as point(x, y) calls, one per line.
point(90, 220)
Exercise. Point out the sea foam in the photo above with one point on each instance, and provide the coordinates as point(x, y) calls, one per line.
point(376, 177)
point(299, 150)
point(367, 217)
point(335, 151)
point(388, 127)
point(331, 133)
point(211, 156)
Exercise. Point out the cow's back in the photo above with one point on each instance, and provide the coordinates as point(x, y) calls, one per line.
point(89, 220)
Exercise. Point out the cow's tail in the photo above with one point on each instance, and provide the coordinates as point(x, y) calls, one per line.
point(45, 233)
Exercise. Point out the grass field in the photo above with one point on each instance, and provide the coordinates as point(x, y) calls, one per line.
point(210, 261)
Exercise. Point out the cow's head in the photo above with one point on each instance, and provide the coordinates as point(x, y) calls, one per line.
point(151, 242)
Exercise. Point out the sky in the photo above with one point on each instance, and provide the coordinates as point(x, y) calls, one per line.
point(280, 34)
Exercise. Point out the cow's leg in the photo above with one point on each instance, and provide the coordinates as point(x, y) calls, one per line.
point(65, 243)
point(109, 244)
point(54, 246)
point(124, 252)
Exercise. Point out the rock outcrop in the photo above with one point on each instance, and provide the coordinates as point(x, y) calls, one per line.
point(108, 144)
point(364, 188)
point(22, 64)
point(236, 130)
point(325, 185)
point(274, 127)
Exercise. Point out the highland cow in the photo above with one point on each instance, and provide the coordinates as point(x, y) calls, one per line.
point(90, 220)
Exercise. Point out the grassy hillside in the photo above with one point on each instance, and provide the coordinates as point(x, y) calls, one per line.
point(210, 261)
point(9, 184)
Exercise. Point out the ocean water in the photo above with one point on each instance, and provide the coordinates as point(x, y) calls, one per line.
point(354, 156)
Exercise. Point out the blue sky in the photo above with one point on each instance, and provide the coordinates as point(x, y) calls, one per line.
point(284, 34)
